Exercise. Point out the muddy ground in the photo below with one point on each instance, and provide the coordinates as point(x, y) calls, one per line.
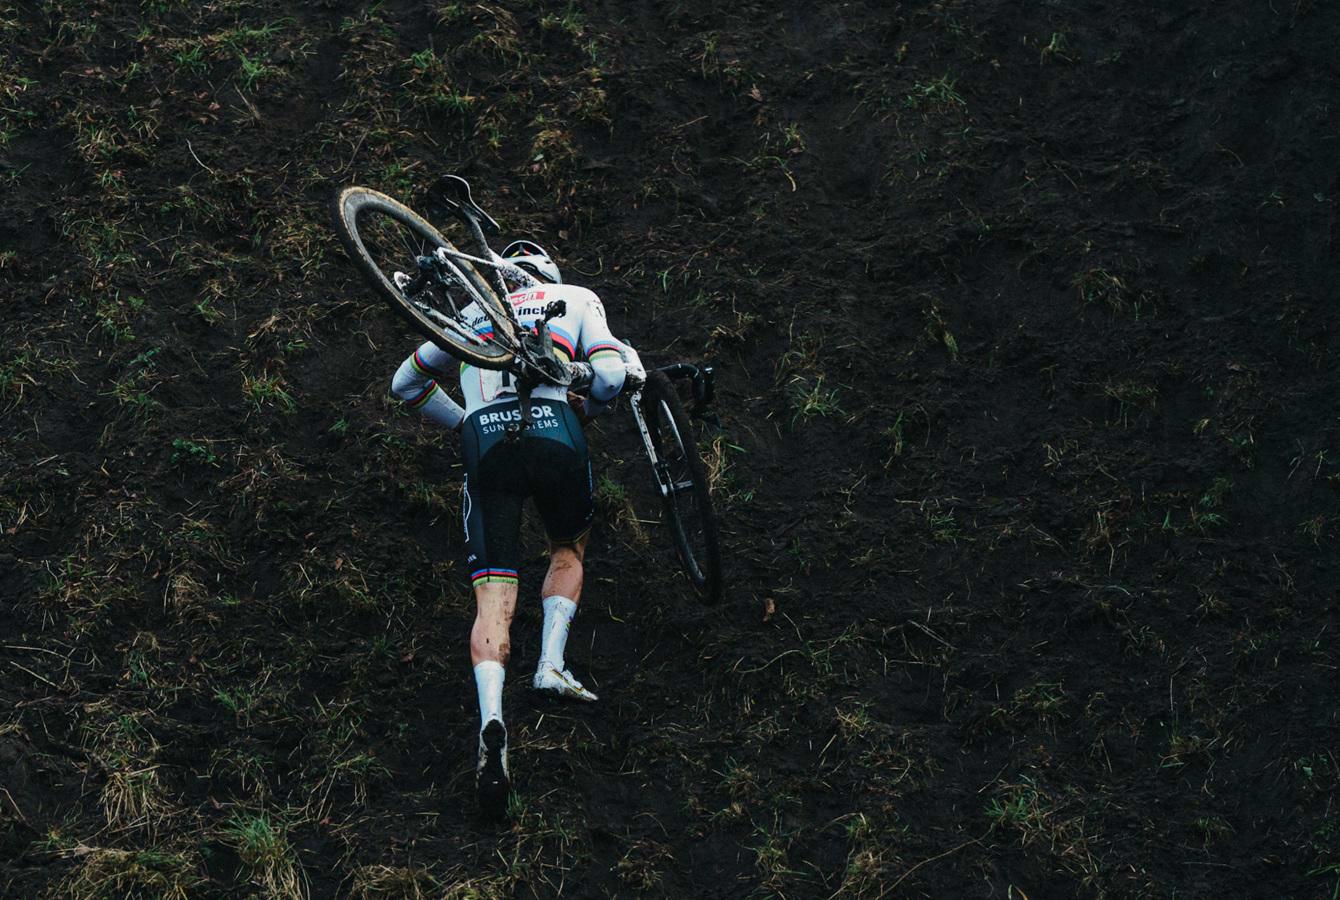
point(1029, 438)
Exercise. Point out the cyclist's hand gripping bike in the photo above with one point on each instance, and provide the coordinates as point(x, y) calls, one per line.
point(433, 285)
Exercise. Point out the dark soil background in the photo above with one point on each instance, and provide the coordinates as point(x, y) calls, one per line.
point(1028, 455)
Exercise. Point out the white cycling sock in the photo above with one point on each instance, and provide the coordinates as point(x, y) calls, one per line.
point(489, 676)
point(558, 613)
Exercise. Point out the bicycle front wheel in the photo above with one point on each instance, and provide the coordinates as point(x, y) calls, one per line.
point(385, 239)
point(685, 489)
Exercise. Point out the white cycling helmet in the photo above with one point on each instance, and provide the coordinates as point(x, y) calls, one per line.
point(531, 256)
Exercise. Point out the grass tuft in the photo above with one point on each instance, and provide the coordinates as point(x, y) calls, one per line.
point(264, 848)
point(105, 872)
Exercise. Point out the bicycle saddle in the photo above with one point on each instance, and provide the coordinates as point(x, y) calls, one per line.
point(454, 191)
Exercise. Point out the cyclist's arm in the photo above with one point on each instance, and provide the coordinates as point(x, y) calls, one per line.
point(416, 384)
point(605, 354)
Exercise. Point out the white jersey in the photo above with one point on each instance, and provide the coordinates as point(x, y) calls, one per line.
point(581, 333)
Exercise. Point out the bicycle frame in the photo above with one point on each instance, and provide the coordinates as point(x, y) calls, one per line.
point(658, 467)
point(533, 360)
point(533, 352)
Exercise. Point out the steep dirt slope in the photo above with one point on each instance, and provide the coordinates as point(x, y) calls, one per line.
point(1023, 317)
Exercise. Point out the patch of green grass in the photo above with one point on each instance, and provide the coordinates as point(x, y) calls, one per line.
point(1314, 527)
point(709, 63)
point(132, 797)
point(1047, 823)
point(135, 391)
point(896, 434)
point(16, 375)
point(642, 865)
point(135, 387)
point(257, 38)
point(1043, 701)
point(740, 783)
point(102, 240)
point(102, 872)
point(262, 845)
point(937, 328)
point(14, 116)
point(855, 722)
point(570, 21)
point(426, 62)
point(1185, 748)
point(188, 452)
point(113, 315)
point(810, 398)
point(238, 701)
point(190, 56)
point(944, 527)
point(772, 857)
point(768, 162)
point(429, 83)
point(205, 308)
point(609, 493)
point(1100, 285)
point(267, 390)
point(1214, 495)
point(1212, 829)
point(427, 495)
point(450, 13)
point(590, 104)
point(721, 472)
point(938, 93)
point(399, 883)
point(867, 869)
point(497, 35)
point(68, 582)
point(1131, 396)
point(1057, 48)
point(252, 72)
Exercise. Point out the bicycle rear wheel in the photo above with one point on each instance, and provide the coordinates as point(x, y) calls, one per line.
point(384, 237)
point(685, 490)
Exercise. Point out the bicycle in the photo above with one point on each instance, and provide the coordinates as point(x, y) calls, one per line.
point(430, 283)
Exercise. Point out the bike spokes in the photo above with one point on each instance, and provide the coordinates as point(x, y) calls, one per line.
point(403, 257)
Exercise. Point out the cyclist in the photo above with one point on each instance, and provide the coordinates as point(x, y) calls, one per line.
point(548, 462)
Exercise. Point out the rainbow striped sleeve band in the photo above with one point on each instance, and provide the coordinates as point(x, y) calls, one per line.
point(562, 340)
point(602, 350)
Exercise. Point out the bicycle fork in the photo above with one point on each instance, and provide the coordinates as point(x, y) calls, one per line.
point(659, 467)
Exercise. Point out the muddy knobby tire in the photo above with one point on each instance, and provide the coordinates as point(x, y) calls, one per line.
point(354, 204)
point(688, 508)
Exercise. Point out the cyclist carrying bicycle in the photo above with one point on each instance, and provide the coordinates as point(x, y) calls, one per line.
point(547, 461)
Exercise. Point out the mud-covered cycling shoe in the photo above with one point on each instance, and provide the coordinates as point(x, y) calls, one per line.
point(491, 779)
point(561, 683)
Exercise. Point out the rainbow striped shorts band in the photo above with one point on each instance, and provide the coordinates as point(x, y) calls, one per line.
point(494, 576)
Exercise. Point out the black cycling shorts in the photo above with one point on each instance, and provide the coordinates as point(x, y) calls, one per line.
point(548, 462)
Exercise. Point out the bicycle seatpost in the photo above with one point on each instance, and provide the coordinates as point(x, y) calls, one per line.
point(515, 429)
